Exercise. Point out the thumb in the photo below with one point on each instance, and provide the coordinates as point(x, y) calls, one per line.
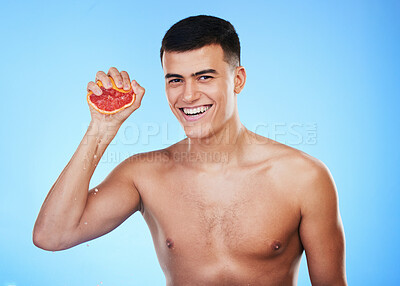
point(139, 92)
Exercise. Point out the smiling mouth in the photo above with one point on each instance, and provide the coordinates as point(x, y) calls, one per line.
point(196, 111)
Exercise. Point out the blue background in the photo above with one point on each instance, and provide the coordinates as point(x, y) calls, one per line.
point(323, 76)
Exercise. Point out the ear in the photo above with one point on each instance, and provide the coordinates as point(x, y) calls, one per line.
point(240, 79)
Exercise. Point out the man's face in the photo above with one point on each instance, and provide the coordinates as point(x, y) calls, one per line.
point(200, 88)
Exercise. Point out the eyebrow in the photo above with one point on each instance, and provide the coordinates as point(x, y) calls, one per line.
point(205, 71)
point(169, 75)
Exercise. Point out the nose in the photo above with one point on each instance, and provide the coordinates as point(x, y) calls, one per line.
point(190, 94)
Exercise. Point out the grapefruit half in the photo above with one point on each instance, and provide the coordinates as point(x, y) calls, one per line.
point(112, 100)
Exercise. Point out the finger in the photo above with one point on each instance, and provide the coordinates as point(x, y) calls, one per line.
point(139, 91)
point(94, 88)
point(114, 73)
point(105, 80)
point(125, 79)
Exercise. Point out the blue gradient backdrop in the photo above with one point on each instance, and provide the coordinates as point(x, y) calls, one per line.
point(323, 76)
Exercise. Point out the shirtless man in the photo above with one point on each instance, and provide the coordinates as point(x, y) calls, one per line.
point(242, 219)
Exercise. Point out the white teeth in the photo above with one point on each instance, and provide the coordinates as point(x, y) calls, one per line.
point(195, 110)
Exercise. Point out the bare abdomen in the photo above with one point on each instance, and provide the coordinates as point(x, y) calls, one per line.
point(231, 273)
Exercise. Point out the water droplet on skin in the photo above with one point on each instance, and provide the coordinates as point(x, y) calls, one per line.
point(96, 190)
point(95, 156)
point(85, 222)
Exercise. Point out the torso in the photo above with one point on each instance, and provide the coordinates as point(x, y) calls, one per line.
point(235, 226)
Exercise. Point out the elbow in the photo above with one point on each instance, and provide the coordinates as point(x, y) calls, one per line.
point(46, 241)
point(41, 241)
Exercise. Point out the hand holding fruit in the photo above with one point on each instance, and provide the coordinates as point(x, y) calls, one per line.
point(113, 97)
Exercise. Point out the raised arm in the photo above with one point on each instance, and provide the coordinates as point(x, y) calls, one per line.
point(321, 229)
point(72, 214)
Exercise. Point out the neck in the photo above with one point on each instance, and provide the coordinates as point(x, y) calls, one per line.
point(221, 146)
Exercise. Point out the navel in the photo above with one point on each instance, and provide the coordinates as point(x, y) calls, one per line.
point(170, 243)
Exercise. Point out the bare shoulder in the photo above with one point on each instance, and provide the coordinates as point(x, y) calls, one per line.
point(149, 165)
point(297, 172)
point(308, 178)
point(300, 165)
point(147, 162)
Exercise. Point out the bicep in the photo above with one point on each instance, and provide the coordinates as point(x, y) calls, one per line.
point(108, 205)
point(321, 231)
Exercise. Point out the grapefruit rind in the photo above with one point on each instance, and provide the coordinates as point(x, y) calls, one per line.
point(100, 84)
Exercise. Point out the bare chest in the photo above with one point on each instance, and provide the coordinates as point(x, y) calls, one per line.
point(237, 215)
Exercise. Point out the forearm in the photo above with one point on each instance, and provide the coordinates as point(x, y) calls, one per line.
point(65, 203)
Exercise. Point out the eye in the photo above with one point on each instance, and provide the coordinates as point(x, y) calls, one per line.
point(205, 77)
point(174, 81)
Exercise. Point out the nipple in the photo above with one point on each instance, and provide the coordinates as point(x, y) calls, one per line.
point(169, 243)
point(276, 245)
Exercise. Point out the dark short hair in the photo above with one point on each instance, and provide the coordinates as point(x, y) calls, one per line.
point(198, 31)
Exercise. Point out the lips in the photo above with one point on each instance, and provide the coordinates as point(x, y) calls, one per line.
point(195, 113)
